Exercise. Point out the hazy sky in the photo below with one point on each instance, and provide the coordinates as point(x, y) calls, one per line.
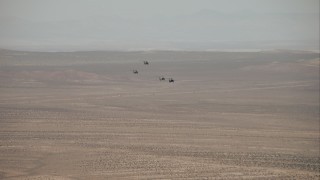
point(61, 9)
point(155, 23)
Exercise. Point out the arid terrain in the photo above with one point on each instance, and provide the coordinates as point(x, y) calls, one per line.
point(228, 115)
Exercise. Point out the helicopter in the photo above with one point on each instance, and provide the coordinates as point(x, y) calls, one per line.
point(161, 78)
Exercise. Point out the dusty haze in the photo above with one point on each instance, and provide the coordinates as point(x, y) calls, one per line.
point(167, 24)
point(244, 103)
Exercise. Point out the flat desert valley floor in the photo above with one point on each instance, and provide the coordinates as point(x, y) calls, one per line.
point(228, 115)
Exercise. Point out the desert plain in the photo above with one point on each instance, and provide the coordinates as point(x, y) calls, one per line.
point(228, 115)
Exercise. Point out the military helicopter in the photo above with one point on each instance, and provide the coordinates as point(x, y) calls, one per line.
point(171, 80)
point(145, 62)
point(135, 71)
point(161, 78)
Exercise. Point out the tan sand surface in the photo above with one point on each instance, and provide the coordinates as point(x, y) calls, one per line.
point(85, 115)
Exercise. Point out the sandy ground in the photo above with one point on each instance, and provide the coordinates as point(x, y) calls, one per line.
point(85, 115)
